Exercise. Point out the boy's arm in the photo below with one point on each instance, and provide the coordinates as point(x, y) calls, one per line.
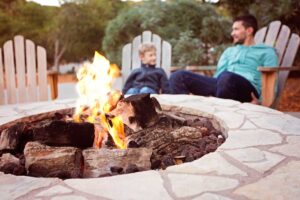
point(164, 83)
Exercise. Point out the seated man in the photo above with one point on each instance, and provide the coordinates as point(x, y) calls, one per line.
point(237, 76)
point(147, 79)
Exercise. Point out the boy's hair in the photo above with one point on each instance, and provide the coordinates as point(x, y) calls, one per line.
point(248, 21)
point(144, 47)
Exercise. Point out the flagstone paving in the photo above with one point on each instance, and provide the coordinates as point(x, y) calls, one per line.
point(259, 160)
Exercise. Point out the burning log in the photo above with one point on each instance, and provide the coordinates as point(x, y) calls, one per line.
point(137, 111)
point(46, 161)
point(106, 162)
point(65, 133)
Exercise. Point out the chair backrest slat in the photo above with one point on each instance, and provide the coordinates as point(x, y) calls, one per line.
point(157, 42)
point(9, 67)
point(282, 41)
point(272, 33)
point(126, 61)
point(130, 55)
point(260, 35)
point(136, 61)
point(31, 70)
point(20, 70)
point(2, 96)
point(288, 60)
point(166, 57)
point(146, 37)
point(291, 50)
point(42, 73)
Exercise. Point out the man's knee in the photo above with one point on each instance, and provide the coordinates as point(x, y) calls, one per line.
point(226, 86)
point(177, 76)
point(226, 77)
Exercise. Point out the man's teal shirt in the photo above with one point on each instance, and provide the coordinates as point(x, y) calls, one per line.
point(244, 60)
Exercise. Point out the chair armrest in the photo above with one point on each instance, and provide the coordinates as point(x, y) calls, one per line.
point(175, 68)
point(269, 76)
point(280, 68)
point(206, 70)
point(201, 68)
point(52, 77)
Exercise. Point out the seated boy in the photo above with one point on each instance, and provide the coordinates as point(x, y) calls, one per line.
point(147, 78)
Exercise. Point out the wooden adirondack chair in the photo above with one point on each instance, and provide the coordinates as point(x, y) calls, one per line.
point(23, 72)
point(130, 55)
point(286, 44)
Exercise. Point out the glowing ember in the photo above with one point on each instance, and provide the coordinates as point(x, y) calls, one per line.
point(96, 99)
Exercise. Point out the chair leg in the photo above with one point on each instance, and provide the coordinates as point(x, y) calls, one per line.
point(268, 87)
point(53, 81)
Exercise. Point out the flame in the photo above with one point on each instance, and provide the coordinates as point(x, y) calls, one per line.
point(96, 99)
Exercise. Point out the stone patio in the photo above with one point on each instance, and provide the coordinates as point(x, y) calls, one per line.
point(259, 160)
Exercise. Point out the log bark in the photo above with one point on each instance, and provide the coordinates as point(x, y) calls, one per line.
point(11, 137)
point(105, 162)
point(65, 133)
point(137, 111)
point(11, 164)
point(46, 161)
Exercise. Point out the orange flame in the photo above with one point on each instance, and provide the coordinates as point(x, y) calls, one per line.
point(96, 99)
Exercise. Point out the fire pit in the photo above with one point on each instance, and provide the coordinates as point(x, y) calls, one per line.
point(258, 160)
point(53, 145)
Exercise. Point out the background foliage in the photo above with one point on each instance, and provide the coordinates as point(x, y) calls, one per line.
point(198, 30)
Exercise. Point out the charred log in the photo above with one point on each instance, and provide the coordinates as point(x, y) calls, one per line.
point(137, 111)
point(171, 141)
point(65, 133)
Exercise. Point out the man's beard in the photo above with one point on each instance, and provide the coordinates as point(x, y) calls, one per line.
point(240, 41)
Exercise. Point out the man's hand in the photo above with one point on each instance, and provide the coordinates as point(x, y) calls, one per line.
point(254, 99)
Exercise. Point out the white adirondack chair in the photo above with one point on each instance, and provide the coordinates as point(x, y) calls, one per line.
point(130, 55)
point(286, 44)
point(23, 72)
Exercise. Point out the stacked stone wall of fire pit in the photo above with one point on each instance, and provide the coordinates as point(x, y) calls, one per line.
point(259, 160)
point(55, 146)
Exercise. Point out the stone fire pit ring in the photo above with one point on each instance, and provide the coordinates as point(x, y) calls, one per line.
point(260, 159)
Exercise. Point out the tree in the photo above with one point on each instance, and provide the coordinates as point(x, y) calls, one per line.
point(80, 28)
point(177, 21)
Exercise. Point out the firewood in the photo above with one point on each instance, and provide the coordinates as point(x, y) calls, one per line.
point(137, 111)
point(11, 164)
point(46, 161)
point(10, 137)
point(65, 133)
point(103, 162)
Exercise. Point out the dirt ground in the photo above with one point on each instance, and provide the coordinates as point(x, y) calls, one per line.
point(290, 99)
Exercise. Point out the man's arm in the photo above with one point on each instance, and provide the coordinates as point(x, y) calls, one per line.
point(222, 63)
point(271, 58)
